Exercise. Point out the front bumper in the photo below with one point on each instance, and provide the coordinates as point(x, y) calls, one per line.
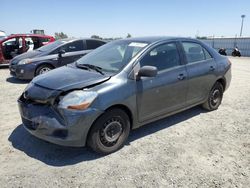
point(59, 126)
point(25, 72)
point(228, 77)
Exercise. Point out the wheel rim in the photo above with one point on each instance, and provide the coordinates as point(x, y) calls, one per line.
point(44, 70)
point(215, 98)
point(111, 132)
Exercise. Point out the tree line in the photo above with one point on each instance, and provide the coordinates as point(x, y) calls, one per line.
point(61, 35)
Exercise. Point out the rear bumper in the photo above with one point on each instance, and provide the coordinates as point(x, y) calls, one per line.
point(59, 126)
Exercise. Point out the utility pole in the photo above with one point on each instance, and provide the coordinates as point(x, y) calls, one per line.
point(242, 22)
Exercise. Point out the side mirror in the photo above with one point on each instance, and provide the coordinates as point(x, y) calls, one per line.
point(61, 52)
point(147, 71)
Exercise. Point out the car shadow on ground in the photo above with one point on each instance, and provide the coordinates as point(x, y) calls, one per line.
point(5, 66)
point(55, 155)
point(14, 80)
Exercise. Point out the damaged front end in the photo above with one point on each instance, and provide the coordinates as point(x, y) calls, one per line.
point(44, 117)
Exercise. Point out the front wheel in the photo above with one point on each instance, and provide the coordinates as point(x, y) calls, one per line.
point(43, 69)
point(109, 132)
point(214, 97)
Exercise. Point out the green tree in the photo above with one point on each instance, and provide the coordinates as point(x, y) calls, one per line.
point(60, 35)
point(129, 36)
point(201, 37)
point(96, 37)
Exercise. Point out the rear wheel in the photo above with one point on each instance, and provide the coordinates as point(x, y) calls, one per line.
point(43, 69)
point(214, 97)
point(109, 132)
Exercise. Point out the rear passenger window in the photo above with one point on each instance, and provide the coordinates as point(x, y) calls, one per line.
point(73, 46)
point(194, 52)
point(93, 44)
point(163, 57)
point(207, 54)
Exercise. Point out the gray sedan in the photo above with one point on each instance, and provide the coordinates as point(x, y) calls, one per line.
point(120, 86)
point(56, 54)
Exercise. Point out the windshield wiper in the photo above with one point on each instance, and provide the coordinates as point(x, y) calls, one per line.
point(89, 66)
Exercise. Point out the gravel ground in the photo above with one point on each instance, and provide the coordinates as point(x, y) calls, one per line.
point(194, 148)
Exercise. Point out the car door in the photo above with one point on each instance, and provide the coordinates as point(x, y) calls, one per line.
point(73, 51)
point(166, 92)
point(201, 71)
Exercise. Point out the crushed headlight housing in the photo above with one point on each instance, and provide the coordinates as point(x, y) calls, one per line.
point(77, 100)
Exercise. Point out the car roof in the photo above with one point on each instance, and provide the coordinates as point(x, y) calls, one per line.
point(24, 35)
point(156, 39)
point(29, 35)
point(75, 39)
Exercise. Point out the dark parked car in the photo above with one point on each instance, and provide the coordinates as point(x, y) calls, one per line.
point(17, 44)
point(56, 54)
point(120, 86)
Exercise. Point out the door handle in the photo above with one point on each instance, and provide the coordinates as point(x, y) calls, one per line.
point(181, 77)
point(212, 68)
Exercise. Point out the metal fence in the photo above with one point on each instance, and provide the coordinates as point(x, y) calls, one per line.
point(229, 44)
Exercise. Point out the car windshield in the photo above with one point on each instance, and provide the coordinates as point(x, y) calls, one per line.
point(113, 56)
point(51, 46)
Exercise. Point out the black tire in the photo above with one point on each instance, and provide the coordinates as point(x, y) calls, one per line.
point(214, 98)
point(101, 138)
point(43, 69)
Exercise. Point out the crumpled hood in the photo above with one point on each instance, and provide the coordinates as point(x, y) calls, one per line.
point(68, 78)
point(26, 55)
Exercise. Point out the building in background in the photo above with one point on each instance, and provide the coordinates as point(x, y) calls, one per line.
point(229, 43)
point(37, 31)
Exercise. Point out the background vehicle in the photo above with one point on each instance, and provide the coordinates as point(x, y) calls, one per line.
point(236, 52)
point(222, 51)
point(56, 54)
point(121, 86)
point(16, 44)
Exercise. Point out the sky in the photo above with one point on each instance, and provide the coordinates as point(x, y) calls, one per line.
point(117, 18)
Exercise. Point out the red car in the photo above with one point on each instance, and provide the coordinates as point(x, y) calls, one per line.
point(16, 44)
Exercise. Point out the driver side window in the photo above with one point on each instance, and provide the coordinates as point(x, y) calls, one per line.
point(70, 47)
point(163, 57)
point(73, 46)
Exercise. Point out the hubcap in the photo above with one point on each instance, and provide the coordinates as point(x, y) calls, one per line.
point(215, 98)
point(111, 132)
point(44, 70)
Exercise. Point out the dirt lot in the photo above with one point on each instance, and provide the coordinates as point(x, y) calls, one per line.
point(191, 149)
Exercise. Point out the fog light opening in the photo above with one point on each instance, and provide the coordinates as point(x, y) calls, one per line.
point(60, 133)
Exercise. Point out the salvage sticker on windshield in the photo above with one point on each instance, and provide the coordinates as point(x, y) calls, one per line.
point(138, 44)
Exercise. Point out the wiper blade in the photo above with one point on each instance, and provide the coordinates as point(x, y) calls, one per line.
point(89, 66)
point(82, 66)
